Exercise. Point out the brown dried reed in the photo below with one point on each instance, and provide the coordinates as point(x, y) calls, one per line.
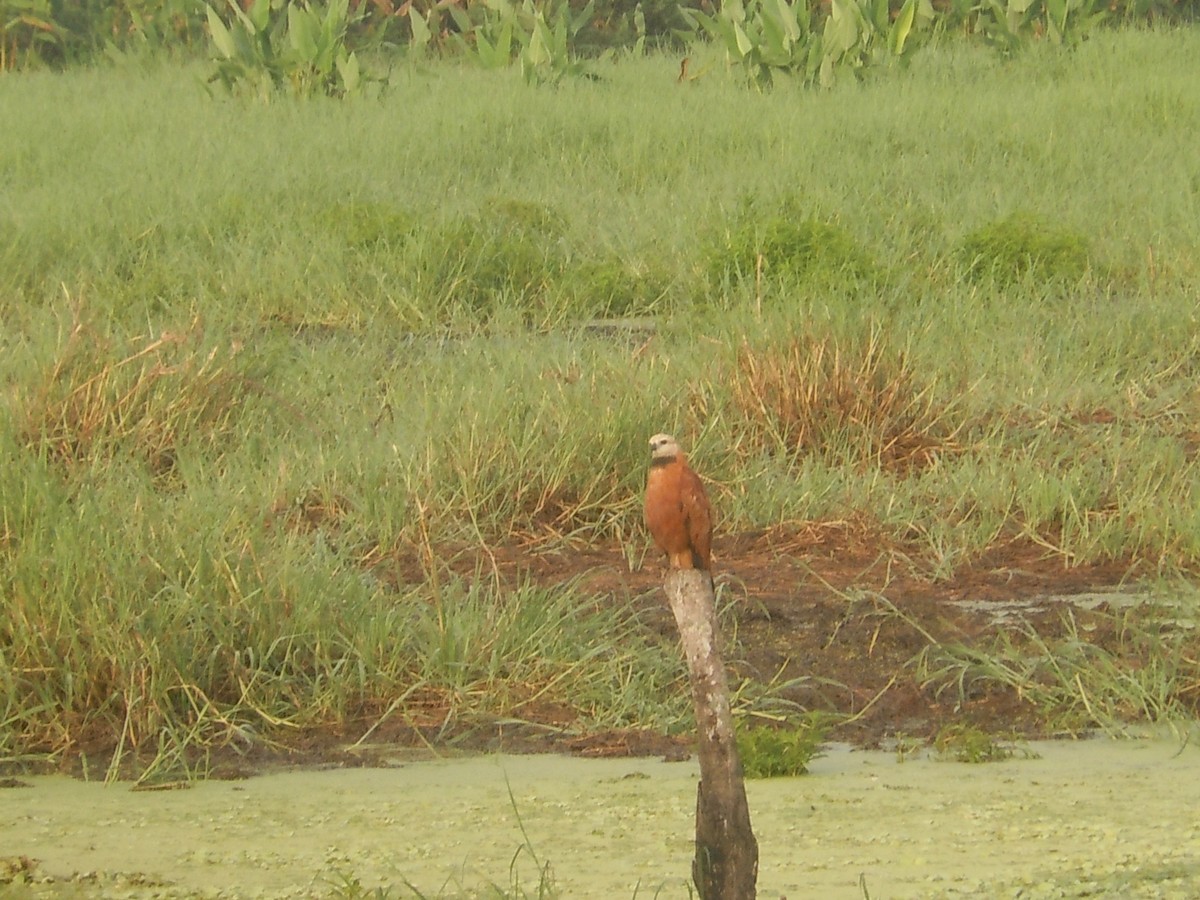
point(858, 396)
point(97, 400)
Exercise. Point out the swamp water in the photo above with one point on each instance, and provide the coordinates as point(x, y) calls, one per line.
point(1089, 818)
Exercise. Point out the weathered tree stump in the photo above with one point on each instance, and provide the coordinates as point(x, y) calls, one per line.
point(726, 863)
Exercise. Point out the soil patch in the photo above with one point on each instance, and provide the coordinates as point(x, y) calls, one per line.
point(835, 615)
point(842, 615)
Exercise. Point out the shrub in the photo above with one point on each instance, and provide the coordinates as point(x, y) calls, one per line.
point(787, 245)
point(966, 743)
point(1022, 246)
point(301, 46)
point(612, 287)
point(781, 752)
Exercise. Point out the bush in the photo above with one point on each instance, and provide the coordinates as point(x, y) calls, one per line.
point(781, 752)
point(787, 245)
point(1022, 246)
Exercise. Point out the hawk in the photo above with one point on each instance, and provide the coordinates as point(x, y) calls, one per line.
point(677, 510)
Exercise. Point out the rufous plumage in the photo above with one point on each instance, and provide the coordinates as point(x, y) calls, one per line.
point(677, 510)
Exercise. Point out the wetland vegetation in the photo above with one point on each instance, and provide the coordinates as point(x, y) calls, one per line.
point(322, 415)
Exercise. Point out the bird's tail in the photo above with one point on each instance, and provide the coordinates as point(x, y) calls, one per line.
point(698, 563)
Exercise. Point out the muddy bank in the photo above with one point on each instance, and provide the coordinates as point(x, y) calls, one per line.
point(1084, 818)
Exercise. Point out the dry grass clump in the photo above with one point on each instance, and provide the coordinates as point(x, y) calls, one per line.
point(98, 400)
point(857, 400)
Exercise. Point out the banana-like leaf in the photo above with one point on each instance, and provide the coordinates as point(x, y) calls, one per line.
point(303, 30)
point(462, 21)
point(826, 70)
point(741, 41)
point(1058, 12)
point(420, 28)
point(259, 14)
point(784, 14)
point(841, 30)
point(774, 42)
point(485, 50)
point(902, 27)
point(333, 30)
point(220, 35)
point(880, 13)
point(348, 70)
point(537, 53)
point(502, 52)
point(581, 21)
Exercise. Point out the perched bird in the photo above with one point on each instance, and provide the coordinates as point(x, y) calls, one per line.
point(677, 511)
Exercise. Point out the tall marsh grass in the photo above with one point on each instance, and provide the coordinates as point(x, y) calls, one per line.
point(1148, 672)
point(255, 355)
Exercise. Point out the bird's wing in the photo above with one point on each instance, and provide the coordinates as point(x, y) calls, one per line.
point(698, 514)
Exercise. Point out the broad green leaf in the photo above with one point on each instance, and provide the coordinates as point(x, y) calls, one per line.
point(711, 24)
point(302, 33)
point(538, 51)
point(485, 51)
point(338, 14)
point(785, 14)
point(743, 43)
point(504, 45)
point(247, 23)
point(880, 16)
point(774, 40)
point(461, 20)
point(826, 70)
point(902, 27)
point(259, 14)
point(220, 35)
point(348, 70)
point(841, 31)
point(581, 21)
point(1056, 13)
point(420, 28)
point(812, 62)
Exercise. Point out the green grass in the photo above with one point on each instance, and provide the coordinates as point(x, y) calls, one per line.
point(255, 355)
point(784, 751)
point(1105, 672)
point(968, 744)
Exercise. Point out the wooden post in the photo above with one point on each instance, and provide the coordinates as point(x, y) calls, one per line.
point(726, 863)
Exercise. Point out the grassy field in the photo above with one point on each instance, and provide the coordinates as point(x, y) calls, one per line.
point(267, 366)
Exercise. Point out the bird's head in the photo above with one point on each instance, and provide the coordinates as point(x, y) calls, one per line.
point(663, 446)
